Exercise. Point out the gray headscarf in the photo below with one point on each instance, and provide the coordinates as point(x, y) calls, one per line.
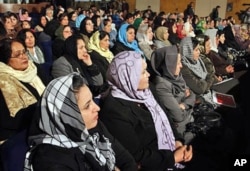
point(196, 66)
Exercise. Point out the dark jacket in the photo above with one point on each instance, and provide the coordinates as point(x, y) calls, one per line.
point(131, 123)
point(54, 158)
point(119, 47)
point(10, 126)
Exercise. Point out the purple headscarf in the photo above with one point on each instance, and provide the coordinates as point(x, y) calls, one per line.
point(124, 75)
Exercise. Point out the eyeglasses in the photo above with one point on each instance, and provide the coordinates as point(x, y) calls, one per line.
point(18, 53)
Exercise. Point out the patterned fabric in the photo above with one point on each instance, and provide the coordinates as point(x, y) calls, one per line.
point(124, 76)
point(122, 37)
point(63, 126)
point(16, 95)
point(159, 35)
point(197, 66)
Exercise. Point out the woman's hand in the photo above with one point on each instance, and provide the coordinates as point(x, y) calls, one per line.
point(182, 106)
point(87, 59)
point(183, 154)
point(187, 92)
point(230, 69)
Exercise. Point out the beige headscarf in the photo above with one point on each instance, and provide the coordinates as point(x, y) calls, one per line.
point(94, 44)
point(16, 95)
point(159, 35)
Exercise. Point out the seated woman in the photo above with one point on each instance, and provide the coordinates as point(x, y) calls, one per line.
point(171, 88)
point(194, 70)
point(126, 40)
point(64, 21)
point(28, 38)
point(223, 66)
point(76, 59)
point(86, 29)
point(100, 53)
point(172, 30)
point(144, 36)
point(108, 26)
point(68, 135)
point(11, 32)
point(133, 116)
point(161, 37)
point(58, 43)
point(21, 85)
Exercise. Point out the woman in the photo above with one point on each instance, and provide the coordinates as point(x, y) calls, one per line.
point(76, 59)
point(29, 40)
point(96, 19)
point(86, 29)
point(68, 135)
point(161, 37)
point(144, 36)
point(134, 117)
point(58, 43)
point(8, 25)
point(21, 86)
point(107, 25)
point(126, 40)
point(172, 31)
point(100, 53)
point(41, 24)
point(64, 21)
point(194, 70)
point(171, 88)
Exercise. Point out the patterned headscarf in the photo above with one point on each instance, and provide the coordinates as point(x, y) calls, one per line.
point(62, 124)
point(164, 63)
point(197, 66)
point(124, 75)
point(159, 35)
point(122, 37)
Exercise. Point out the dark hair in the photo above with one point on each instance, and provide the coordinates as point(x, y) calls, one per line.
point(77, 83)
point(129, 15)
point(5, 49)
point(195, 42)
point(22, 36)
point(61, 16)
point(29, 22)
point(219, 33)
point(83, 26)
point(202, 39)
point(105, 21)
point(23, 11)
point(103, 34)
point(130, 27)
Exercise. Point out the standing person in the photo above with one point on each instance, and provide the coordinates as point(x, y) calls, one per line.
point(132, 114)
point(214, 15)
point(68, 135)
point(189, 11)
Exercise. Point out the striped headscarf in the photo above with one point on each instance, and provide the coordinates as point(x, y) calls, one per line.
point(62, 124)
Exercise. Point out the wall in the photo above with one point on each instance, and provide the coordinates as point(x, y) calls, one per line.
point(143, 4)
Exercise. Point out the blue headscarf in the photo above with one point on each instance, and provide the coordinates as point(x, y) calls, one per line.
point(79, 20)
point(122, 37)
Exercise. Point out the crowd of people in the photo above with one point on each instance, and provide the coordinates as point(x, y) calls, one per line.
point(116, 90)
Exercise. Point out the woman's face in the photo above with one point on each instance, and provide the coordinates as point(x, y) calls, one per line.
point(89, 110)
point(150, 33)
point(222, 38)
point(89, 26)
point(104, 43)
point(65, 21)
point(178, 65)
point(43, 21)
point(98, 22)
point(144, 83)
point(67, 32)
point(81, 49)
point(8, 24)
point(166, 35)
point(19, 58)
point(13, 21)
point(108, 28)
point(130, 35)
point(196, 53)
point(25, 25)
point(29, 40)
point(74, 16)
point(207, 46)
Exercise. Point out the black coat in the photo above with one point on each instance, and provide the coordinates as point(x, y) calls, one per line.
point(132, 124)
point(53, 158)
